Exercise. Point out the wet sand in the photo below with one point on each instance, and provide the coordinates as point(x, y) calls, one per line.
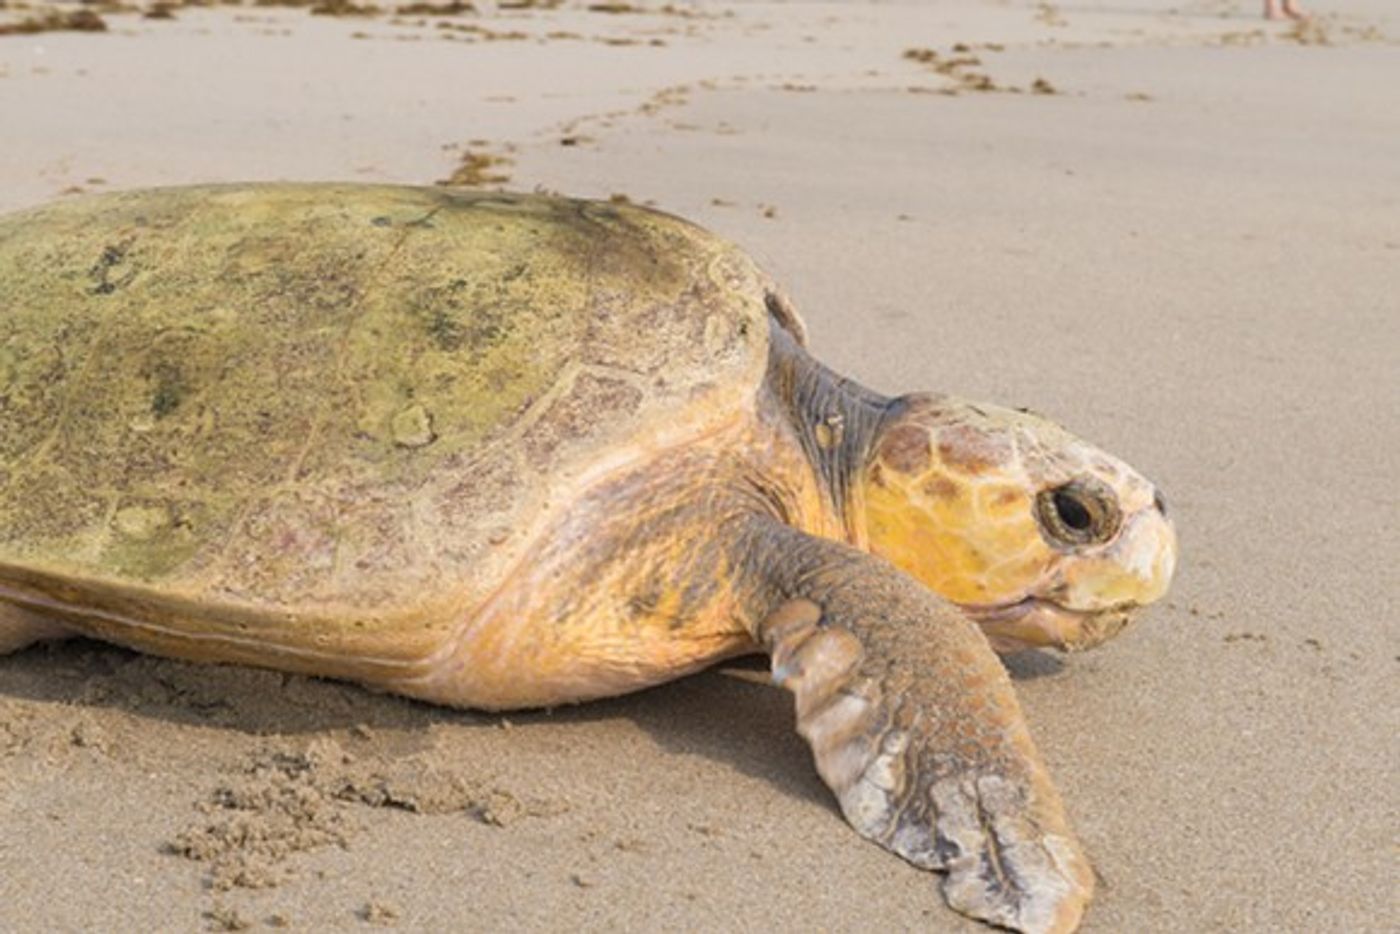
point(1174, 227)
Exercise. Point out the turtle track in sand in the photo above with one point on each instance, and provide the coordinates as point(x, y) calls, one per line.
point(285, 801)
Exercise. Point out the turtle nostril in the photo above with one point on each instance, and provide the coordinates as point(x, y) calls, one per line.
point(1159, 501)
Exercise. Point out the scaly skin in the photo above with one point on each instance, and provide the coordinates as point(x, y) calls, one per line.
point(878, 549)
point(769, 535)
point(738, 543)
point(950, 497)
point(916, 729)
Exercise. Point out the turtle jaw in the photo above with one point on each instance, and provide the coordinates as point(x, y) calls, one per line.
point(1034, 623)
point(1088, 598)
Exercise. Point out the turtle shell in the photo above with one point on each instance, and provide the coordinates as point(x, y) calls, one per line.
point(331, 418)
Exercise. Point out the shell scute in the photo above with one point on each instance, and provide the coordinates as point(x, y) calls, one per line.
point(335, 412)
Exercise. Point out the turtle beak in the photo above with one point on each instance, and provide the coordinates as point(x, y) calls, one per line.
point(1133, 571)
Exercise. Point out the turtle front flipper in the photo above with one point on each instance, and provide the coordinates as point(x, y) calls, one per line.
point(915, 727)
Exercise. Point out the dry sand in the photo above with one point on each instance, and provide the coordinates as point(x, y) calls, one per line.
point(1189, 253)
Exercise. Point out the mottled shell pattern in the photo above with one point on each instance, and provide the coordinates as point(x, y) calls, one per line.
point(311, 413)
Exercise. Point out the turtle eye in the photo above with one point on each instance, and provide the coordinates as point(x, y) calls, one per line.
point(1071, 510)
point(1081, 512)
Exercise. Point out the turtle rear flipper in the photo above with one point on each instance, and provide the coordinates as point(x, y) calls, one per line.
point(20, 627)
point(914, 725)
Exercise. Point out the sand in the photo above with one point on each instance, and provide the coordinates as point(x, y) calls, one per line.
point(1188, 252)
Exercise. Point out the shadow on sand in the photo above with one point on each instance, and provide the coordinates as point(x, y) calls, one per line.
point(729, 714)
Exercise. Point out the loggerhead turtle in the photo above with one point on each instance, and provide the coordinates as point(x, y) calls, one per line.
point(505, 451)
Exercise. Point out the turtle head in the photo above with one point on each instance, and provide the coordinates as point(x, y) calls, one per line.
point(1041, 537)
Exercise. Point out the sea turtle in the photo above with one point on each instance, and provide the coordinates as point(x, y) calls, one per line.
point(502, 451)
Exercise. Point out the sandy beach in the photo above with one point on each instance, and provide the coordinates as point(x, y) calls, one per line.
point(1174, 227)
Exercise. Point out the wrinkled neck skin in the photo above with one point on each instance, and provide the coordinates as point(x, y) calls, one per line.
point(835, 421)
point(953, 494)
